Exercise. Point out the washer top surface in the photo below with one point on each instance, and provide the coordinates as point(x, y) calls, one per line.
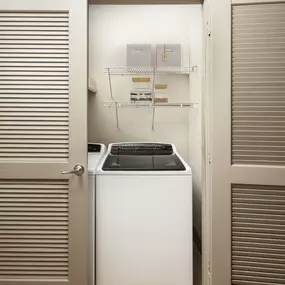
point(143, 158)
point(96, 152)
point(143, 163)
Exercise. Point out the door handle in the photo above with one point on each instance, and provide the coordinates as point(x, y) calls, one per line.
point(77, 170)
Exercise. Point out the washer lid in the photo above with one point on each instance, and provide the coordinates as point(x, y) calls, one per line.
point(143, 163)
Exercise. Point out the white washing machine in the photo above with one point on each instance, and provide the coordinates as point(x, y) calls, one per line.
point(95, 155)
point(143, 216)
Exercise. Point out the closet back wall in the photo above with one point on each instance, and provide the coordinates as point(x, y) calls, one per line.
point(111, 28)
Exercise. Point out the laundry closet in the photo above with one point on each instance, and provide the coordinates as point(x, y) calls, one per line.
point(111, 29)
point(219, 109)
point(114, 30)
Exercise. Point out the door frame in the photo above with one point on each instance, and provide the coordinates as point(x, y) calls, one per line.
point(217, 23)
point(207, 144)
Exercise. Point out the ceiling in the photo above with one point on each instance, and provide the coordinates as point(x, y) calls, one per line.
point(146, 2)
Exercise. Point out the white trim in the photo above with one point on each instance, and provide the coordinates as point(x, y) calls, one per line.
point(207, 140)
point(236, 2)
point(78, 197)
point(220, 144)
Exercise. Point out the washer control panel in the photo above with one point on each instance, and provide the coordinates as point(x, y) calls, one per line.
point(142, 149)
point(93, 147)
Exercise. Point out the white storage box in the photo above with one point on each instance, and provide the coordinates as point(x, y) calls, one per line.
point(138, 55)
point(168, 55)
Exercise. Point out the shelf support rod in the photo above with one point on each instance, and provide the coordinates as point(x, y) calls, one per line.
point(153, 115)
point(153, 99)
point(111, 94)
point(150, 105)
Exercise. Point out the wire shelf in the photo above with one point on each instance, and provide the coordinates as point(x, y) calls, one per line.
point(150, 71)
point(115, 104)
point(141, 70)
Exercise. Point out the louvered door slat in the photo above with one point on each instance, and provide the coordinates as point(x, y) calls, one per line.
point(19, 72)
point(24, 42)
point(37, 58)
point(258, 88)
point(35, 19)
point(16, 99)
point(32, 15)
point(26, 79)
point(44, 66)
point(14, 50)
point(34, 86)
point(31, 230)
point(32, 18)
point(258, 234)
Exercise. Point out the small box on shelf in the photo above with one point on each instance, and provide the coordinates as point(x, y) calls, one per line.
point(168, 55)
point(138, 55)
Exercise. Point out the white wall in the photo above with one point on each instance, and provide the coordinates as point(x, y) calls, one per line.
point(196, 146)
point(111, 28)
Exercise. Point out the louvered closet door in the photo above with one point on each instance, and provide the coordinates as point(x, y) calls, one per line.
point(43, 95)
point(34, 86)
point(248, 158)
